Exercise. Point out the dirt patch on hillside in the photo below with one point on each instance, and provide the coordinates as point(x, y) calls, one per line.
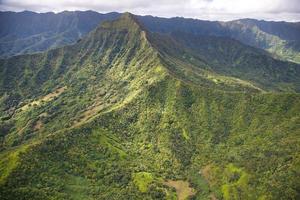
point(48, 97)
point(183, 189)
point(38, 125)
point(88, 114)
point(54, 94)
point(213, 197)
point(205, 172)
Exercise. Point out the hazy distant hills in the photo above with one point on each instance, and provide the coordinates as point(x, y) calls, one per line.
point(131, 113)
point(29, 32)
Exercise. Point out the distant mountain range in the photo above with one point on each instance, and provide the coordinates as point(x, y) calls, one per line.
point(29, 32)
point(148, 108)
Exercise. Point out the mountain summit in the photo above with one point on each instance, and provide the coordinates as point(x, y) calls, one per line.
point(126, 21)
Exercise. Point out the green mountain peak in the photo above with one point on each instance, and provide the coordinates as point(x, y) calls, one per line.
point(127, 21)
point(128, 15)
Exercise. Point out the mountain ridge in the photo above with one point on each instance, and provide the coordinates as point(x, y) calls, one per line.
point(261, 34)
point(124, 111)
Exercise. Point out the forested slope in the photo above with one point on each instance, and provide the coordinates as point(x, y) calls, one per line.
point(128, 114)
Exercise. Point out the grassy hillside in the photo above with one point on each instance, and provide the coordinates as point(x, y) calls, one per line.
point(223, 144)
point(127, 114)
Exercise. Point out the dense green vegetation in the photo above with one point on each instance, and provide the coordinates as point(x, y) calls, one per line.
point(124, 111)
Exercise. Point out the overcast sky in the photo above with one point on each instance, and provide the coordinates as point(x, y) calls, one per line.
point(287, 10)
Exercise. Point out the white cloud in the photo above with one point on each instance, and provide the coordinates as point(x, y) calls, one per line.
point(205, 9)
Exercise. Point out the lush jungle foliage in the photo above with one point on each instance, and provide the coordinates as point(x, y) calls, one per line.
point(124, 111)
